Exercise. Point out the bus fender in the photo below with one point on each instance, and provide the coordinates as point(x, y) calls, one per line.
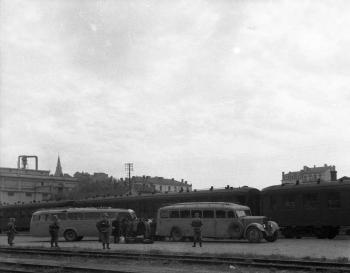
point(257, 225)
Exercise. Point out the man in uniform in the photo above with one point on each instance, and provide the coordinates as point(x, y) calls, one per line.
point(53, 229)
point(197, 230)
point(104, 227)
point(11, 231)
point(116, 229)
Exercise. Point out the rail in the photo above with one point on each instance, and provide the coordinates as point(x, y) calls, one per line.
point(291, 264)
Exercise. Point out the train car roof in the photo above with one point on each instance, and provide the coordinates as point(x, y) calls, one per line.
point(311, 186)
point(65, 203)
point(58, 210)
point(205, 205)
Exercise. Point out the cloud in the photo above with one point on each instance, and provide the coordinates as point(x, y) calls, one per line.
point(233, 90)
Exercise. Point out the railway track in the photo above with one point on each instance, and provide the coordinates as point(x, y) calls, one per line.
point(288, 264)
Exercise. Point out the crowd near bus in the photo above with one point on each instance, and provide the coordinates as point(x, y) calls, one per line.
point(178, 221)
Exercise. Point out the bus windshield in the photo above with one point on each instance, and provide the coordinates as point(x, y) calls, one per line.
point(241, 213)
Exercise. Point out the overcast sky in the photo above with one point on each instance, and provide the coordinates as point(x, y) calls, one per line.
point(214, 92)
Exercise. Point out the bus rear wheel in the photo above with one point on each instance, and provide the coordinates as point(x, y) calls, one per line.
point(70, 235)
point(176, 234)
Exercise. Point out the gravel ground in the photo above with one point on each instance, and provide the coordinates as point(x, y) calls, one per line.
point(307, 248)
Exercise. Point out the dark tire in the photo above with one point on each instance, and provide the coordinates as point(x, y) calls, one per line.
point(254, 235)
point(322, 233)
point(70, 235)
point(272, 238)
point(176, 234)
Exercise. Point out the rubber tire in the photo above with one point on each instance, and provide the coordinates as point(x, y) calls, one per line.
point(70, 235)
point(176, 234)
point(254, 235)
point(272, 238)
point(333, 233)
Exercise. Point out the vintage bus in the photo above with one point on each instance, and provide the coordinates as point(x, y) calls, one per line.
point(220, 220)
point(75, 223)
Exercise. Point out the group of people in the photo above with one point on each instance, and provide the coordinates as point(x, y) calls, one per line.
point(119, 228)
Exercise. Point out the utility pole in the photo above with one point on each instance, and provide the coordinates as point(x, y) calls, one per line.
point(129, 167)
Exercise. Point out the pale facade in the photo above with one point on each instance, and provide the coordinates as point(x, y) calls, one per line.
point(160, 184)
point(308, 175)
point(24, 185)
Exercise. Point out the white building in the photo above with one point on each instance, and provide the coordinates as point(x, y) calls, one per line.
point(309, 175)
point(20, 185)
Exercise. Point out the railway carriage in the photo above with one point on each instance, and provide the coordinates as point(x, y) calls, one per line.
point(321, 209)
point(145, 205)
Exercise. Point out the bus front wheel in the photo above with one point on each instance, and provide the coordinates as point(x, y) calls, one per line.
point(176, 234)
point(70, 235)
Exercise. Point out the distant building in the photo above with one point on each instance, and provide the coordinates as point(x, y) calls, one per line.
point(99, 177)
point(22, 185)
point(309, 175)
point(159, 184)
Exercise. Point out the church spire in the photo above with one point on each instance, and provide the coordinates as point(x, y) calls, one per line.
point(58, 171)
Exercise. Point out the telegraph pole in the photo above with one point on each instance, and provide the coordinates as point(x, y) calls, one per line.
point(129, 167)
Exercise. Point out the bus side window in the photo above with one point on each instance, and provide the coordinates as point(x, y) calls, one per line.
point(193, 213)
point(164, 214)
point(62, 216)
point(48, 217)
point(185, 214)
point(36, 218)
point(174, 214)
point(231, 214)
point(91, 215)
point(220, 214)
point(73, 216)
point(208, 214)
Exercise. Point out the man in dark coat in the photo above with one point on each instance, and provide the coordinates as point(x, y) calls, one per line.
point(197, 230)
point(11, 231)
point(53, 230)
point(116, 230)
point(104, 228)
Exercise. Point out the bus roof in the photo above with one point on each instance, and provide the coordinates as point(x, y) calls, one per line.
point(206, 205)
point(60, 210)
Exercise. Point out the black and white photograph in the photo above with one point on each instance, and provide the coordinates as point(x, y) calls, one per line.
point(199, 136)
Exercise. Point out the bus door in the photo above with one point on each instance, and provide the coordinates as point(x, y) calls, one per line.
point(222, 223)
point(235, 228)
point(208, 220)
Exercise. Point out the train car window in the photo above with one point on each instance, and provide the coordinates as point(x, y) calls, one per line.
point(220, 214)
point(310, 200)
point(273, 203)
point(174, 214)
point(164, 214)
point(231, 214)
point(208, 214)
point(92, 215)
point(333, 200)
point(289, 201)
point(193, 213)
point(185, 214)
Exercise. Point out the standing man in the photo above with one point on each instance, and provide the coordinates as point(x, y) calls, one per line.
point(104, 228)
point(197, 230)
point(53, 229)
point(116, 229)
point(11, 231)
